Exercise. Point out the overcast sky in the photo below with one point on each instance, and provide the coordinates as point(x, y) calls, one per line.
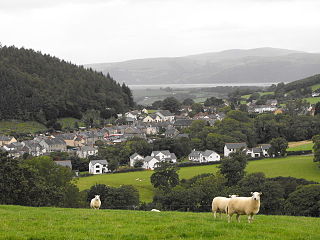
point(92, 31)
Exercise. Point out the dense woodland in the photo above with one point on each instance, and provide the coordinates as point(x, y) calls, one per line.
point(36, 86)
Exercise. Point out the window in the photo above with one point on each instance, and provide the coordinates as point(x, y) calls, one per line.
point(97, 171)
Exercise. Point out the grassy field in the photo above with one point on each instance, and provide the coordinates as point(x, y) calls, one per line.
point(315, 87)
point(312, 100)
point(27, 223)
point(6, 127)
point(70, 122)
point(295, 166)
point(261, 94)
point(300, 146)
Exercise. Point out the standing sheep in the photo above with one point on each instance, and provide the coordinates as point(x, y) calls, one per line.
point(95, 202)
point(219, 204)
point(244, 206)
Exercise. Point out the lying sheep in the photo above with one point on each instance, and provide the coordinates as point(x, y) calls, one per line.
point(95, 202)
point(244, 206)
point(155, 210)
point(219, 204)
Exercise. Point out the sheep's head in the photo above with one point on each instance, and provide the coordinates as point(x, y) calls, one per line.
point(233, 196)
point(256, 195)
point(97, 197)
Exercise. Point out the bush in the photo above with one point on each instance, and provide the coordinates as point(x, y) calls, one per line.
point(303, 152)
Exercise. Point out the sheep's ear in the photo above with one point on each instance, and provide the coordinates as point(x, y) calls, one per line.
point(230, 195)
point(260, 193)
point(251, 193)
point(237, 195)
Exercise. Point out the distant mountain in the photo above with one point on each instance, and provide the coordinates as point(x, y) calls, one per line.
point(36, 86)
point(260, 65)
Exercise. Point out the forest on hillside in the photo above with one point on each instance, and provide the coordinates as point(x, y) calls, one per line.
point(36, 86)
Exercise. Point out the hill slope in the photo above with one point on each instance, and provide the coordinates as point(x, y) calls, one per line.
point(40, 87)
point(56, 223)
point(261, 65)
point(294, 166)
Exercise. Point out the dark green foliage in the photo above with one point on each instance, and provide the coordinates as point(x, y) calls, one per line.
point(43, 88)
point(278, 147)
point(317, 109)
point(213, 101)
point(124, 197)
point(316, 148)
point(304, 202)
point(233, 167)
point(188, 101)
point(165, 176)
point(171, 104)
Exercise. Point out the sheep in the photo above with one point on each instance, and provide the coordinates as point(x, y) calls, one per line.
point(219, 204)
point(95, 202)
point(244, 206)
point(155, 210)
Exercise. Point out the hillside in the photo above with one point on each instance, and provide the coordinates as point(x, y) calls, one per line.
point(57, 223)
point(294, 166)
point(43, 88)
point(261, 65)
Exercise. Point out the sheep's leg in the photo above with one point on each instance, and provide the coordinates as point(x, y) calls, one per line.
point(238, 218)
point(220, 215)
point(215, 214)
point(229, 218)
point(249, 218)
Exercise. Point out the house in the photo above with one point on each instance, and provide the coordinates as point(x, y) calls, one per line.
point(265, 148)
point(262, 108)
point(204, 156)
point(272, 102)
point(86, 151)
point(165, 115)
point(4, 140)
point(98, 166)
point(152, 118)
point(182, 123)
point(53, 145)
point(68, 138)
point(65, 163)
point(134, 158)
point(34, 148)
point(233, 147)
point(171, 132)
point(164, 155)
point(133, 114)
point(315, 94)
point(260, 151)
point(131, 132)
point(150, 162)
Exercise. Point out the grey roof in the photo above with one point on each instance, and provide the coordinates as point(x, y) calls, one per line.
point(207, 153)
point(183, 122)
point(165, 113)
point(66, 136)
point(265, 146)
point(195, 154)
point(149, 158)
point(103, 162)
point(165, 152)
point(66, 163)
point(55, 141)
point(257, 150)
point(173, 156)
point(135, 155)
point(87, 148)
point(236, 145)
point(5, 138)
point(182, 135)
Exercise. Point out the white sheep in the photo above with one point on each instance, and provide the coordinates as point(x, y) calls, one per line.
point(219, 204)
point(95, 202)
point(244, 206)
point(155, 210)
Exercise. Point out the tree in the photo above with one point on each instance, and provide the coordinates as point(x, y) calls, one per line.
point(188, 102)
point(197, 107)
point(317, 109)
point(157, 104)
point(316, 148)
point(171, 104)
point(232, 168)
point(278, 147)
point(165, 176)
point(304, 202)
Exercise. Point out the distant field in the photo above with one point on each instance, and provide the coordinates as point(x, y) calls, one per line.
point(6, 127)
point(28, 223)
point(300, 146)
point(312, 100)
point(295, 166)
point(261, 94)
point(70, 122)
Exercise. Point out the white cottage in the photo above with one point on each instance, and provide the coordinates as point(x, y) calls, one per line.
point(233, 147)
point(98, 166)
point(134, 158)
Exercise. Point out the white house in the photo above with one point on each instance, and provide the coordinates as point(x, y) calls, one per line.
point(86, 151)
point(233, 147)
point(204, 156)
point(134, 158)
point(149, 162)
point(260, 151)
point(164, 155)
point(98, 166)
point(165, 115)
point(4, 140)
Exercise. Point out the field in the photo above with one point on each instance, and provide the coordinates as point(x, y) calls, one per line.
point(27, 223)
point(315, 87)
point(7, 127)
point(70, 122)
point(300, 146)
point(312, 100)
point(295, 166)
point(261, 94)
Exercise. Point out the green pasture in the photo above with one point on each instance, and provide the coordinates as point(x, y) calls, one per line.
point(31, 223)
point(294, 166)
point(303, 147)
point(315, 87)
point(14, 126)
point(312, 100)
point(70, 122)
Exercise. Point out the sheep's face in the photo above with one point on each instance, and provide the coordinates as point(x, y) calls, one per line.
point(256, 195)
point(97, 197)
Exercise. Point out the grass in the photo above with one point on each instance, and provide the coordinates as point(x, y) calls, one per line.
point(261, 94)
point(10, 126)
point(312, 100)
point(315, 87)
point(70, 122)
point(300, 146)
point(295, 166)
point(27, 223)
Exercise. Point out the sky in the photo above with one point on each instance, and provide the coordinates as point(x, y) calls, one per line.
point(94, 31)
